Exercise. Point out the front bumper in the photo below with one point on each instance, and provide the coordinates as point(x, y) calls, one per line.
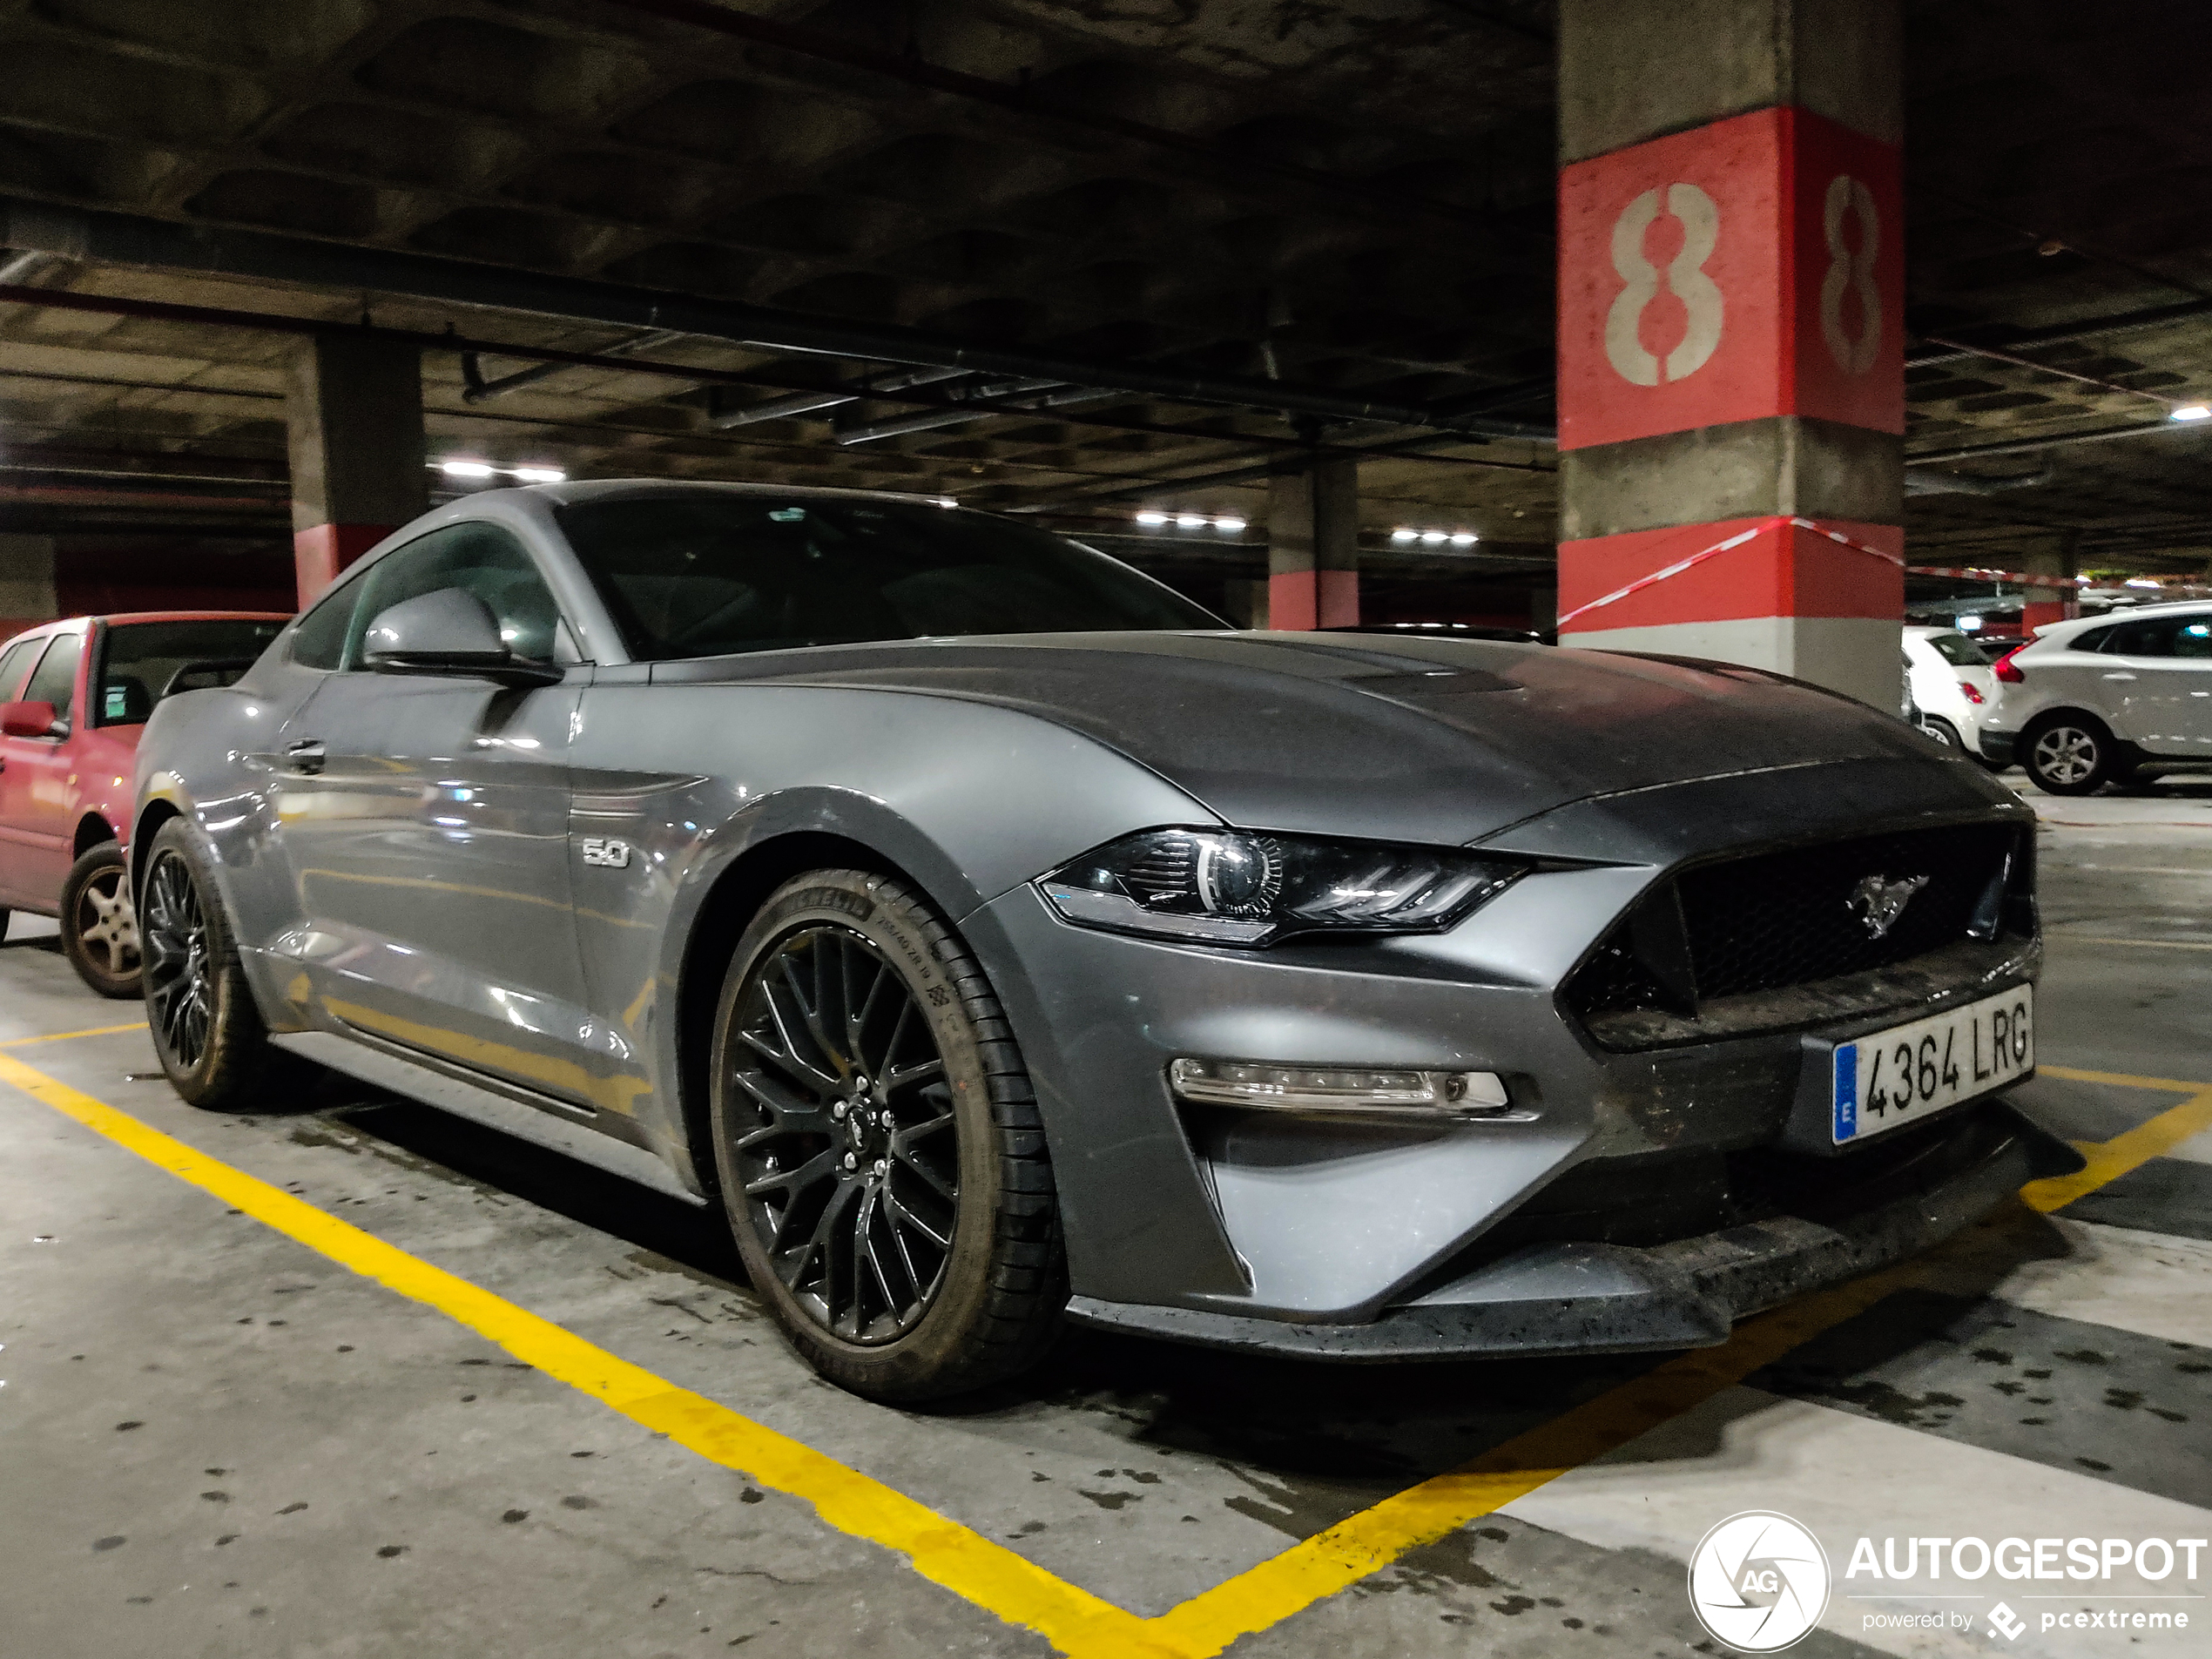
point(1565, 1298)
point(1996, 747)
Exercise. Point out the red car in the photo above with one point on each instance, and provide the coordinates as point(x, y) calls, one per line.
point(74, 696)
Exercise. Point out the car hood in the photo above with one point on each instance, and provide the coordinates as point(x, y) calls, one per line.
point(1421, 740)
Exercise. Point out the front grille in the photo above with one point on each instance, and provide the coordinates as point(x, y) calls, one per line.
point(1776, 921)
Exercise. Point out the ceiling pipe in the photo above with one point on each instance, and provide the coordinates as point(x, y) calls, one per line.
point(2027, 446)
point(1951, 350)
point(1926, 481)
point(478, 390)
point(133, 239)
point(785, 409)
point(892, 426)
point(1061, 398)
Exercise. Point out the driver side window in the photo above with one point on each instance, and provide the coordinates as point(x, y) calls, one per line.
point(484, 560)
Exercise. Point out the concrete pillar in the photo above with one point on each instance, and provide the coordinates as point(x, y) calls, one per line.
point(1730, 332)
point(1313, 547)
point(354, 417)
point(27, 595)
point(2057, 554)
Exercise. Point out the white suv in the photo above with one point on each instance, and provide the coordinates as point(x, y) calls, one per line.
point(2117, 697)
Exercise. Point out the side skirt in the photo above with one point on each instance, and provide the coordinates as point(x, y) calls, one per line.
point(551, 1125)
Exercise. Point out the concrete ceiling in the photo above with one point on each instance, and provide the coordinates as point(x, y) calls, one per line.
point(1347, 194)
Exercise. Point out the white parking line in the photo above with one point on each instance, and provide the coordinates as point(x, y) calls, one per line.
point(1844, 1477)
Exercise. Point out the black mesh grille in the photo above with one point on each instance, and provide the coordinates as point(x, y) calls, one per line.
point(1787, 919)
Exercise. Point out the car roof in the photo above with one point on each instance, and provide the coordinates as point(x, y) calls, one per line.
point(634, 489)
point(2074, 625)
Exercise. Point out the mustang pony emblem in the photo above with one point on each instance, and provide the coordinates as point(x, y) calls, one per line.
point(1878, 901)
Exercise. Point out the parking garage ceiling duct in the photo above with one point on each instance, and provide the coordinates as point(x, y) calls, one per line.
point(137, 240)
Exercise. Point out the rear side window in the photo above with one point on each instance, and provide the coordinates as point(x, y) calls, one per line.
point(142, 663)
point(2096, 639)
point(54, 679)
point(15, 665)
point(1959, 650)
point(2184, 636)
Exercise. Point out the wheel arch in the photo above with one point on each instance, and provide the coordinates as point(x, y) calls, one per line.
point(91, 829)
point(735, 896)
point(151, 816)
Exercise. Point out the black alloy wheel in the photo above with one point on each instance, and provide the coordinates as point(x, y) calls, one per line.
point(878, 1144)
point(99, 928)
point(852, 1175)
point(207, 1032)
point(179, 993)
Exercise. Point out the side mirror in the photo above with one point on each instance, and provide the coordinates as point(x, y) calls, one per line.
point(27, 720)
point(450, 632)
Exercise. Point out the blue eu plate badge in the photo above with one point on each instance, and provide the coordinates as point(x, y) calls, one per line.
point(1846, 1092)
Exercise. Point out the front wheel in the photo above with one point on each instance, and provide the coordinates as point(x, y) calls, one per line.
point(207, 1032)
point(882, 1159)
point(2067, 754)
point(99, 928)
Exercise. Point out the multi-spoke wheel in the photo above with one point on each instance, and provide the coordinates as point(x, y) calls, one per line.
point(2067, 755)
point(206, 1031)
point(877, 1143)
point(99, 929)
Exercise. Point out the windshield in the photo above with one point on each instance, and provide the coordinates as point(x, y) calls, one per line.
point(1960, 650)
point(716, 573)
point(144, 662)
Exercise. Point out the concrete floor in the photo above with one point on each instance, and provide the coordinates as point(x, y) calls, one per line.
point(214, 1441)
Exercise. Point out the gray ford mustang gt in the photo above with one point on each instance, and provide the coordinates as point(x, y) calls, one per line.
point(1002, 943)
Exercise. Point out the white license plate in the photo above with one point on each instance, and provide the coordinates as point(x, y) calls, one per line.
point(1900, 1076)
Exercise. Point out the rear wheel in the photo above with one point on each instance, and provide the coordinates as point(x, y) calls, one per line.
point(207, 1032)
point(2067, 754)
point(882, 1159)
point(99, 928)
point(1943, 731)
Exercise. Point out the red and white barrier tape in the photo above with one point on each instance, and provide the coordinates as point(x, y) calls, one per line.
point(1719, 547)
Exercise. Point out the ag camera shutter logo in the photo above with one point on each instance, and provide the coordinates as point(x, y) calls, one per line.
point(1759, 1581)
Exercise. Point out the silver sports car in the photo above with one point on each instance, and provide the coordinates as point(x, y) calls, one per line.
point(1003, 943)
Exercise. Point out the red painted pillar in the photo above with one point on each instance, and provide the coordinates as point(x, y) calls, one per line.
point(353, 420)
point(1313, 547)
point(1731, 335)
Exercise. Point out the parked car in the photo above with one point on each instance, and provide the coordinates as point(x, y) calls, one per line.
point(1001, 942)
point(77, 694)
point(1952, 683)
point(2115, 698)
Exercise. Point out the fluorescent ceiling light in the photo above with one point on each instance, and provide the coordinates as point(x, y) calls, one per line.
point(1189, 521)
point(541, 474)
point(1465, 538)
point(1154, 520)
point(1404, 535)
point(1432, 538)
point(2192, 412)
point(1232, 525)
point(465, 468)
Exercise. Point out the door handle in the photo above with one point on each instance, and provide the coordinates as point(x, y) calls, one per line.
point(305, 756)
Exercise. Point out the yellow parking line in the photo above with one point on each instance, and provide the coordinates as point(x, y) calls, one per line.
point(64, 1036)
point(998, 1580)
point(2119, 1079)
point(2111, 1159)
point(943, 1551)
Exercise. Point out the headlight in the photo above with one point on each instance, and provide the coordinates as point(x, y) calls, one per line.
point(1234, 887)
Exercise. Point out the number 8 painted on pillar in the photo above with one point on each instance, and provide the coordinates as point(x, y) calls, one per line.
point(1847, 195)
point(1686, 279)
